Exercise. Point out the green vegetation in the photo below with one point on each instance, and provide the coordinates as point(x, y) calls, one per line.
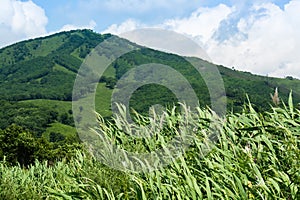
point(36, 71)
point(255, 157)
point(41, 157)
point(36, 115)
point(58, 132)
point(44, 68)
point(20, 147)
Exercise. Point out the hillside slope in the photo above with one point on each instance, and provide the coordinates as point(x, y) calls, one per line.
point(44, 69)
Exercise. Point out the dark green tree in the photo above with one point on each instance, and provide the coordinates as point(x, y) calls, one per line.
point(17, 145)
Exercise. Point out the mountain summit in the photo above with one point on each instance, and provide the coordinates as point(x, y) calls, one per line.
point(42, 72)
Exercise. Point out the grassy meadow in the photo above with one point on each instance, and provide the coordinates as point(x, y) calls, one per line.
point(256, 156)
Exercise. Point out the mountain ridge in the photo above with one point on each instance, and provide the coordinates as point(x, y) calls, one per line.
point(46, 67)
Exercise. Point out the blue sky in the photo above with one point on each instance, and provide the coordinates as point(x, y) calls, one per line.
point(105, 13)
point(260, 36)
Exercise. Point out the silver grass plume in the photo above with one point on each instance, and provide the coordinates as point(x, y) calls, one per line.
point(275, 97)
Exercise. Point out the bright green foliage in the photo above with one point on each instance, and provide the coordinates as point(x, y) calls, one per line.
point(256, 156)
point(62, 180)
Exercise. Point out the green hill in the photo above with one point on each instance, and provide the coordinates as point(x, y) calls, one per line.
point(252, 155)
point(37, 78)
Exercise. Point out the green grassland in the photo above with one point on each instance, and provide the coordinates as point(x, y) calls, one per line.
point(255, 157)
point(66, 133)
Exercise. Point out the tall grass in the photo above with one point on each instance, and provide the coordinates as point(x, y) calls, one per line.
point(256, 156)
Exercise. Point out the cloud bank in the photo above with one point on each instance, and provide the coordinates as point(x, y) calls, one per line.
point(267, 41)
point(261, 38)
point(92, 24)
point(20, 20)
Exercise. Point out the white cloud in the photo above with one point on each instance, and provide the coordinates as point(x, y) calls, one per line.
point(264, 40)
point(20, 20)
point(136, 5)
point(139, 6)
point(92, 24)
point(202, 23)
point(126, 26)
point(257, 37)
point(267, 40)
point(167, 41)
point(272, 44)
